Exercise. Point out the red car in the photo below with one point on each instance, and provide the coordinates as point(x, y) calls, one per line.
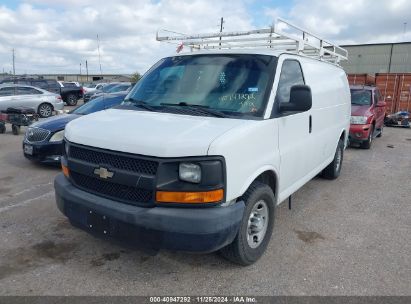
point(367, 115)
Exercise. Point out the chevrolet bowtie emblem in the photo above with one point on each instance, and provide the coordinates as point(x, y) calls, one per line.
point(103, 173)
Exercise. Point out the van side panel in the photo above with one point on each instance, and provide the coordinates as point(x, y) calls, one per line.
point(331, 108)
point(330, 116)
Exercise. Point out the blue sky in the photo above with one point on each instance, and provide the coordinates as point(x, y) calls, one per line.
point(55, 36)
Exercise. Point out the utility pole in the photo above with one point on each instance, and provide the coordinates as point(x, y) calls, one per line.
point(87, 71)
point(405, 30)
point(99, 58)
point(14, 66)
point(221, 27)
point(80, 71)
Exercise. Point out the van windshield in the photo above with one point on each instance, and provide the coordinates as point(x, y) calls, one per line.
point(360, 97)
point(235, 85)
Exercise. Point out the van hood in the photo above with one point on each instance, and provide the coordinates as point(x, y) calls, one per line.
point(357, 110)
point(149, 133)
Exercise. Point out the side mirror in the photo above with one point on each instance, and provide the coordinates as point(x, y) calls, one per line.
point(300, 99)
point(381, 104)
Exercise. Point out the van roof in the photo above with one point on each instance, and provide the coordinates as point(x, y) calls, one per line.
point(253, 51)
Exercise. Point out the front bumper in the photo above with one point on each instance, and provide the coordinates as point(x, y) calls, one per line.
point(359, 133)
point(45, 152)
point(185, 229)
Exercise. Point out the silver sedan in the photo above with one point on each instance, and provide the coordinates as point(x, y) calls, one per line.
point(42, 101)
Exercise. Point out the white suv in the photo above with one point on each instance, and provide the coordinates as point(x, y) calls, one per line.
point(203, 149)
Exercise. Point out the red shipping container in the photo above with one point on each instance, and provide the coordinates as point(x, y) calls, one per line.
point(396, 90)
point(361, 79)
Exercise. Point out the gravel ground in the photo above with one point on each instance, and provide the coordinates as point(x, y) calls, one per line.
point(351, 236)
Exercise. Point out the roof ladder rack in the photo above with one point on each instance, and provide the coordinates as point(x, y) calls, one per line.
point(295, 40)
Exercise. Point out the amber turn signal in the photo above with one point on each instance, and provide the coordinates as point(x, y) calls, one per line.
point(190, 197)
point(65, 170)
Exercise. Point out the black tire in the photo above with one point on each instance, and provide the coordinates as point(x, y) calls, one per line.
point(71, 100)
point(239, 251)
point(45, 110)
point(15, 129)
point(380, 133)
point(367, 144)
point(2, 128)
point(333, 170)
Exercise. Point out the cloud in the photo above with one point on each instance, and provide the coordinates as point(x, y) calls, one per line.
point(53, 36)
point(355, 21)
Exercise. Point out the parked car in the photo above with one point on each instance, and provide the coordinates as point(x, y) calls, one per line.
point(42, 101)
point(69, 84)
point(70, 95)
point(43, 140)
point(367, 115)
point(103, 88)
point(92, 87)
point(204, 147)
point(123, 87)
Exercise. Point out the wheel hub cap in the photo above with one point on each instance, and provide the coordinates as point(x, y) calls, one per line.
point(257, 224)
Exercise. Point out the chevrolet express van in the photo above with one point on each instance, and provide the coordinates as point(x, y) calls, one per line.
point(203, 149)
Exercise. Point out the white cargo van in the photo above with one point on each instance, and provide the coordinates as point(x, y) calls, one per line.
point(209, 142)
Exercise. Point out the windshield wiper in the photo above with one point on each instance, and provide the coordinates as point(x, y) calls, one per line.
point(141, 104)
point(199, 108)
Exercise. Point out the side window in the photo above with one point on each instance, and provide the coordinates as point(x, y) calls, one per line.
point(379, 96)
point(8, 91)
point(291, 74)
point(40, 84)
point(27, 91)
point(376, 97)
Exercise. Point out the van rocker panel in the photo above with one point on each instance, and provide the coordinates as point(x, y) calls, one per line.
point(185, 229)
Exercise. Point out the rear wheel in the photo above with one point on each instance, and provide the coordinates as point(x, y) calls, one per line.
point(380, 133)
point(256, 226)
point(332, 171)
point(368, 142)
point(15, 129)
point(45, 110)
point(71, 100)
point(2, 128)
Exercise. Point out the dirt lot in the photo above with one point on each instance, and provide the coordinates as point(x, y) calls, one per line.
point(351, 236)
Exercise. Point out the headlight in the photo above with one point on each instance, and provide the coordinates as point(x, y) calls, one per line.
point(58, 136)
point(190, 172)
point(358, 120)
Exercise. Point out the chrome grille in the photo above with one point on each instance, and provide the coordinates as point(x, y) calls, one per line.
point(83, 160)
point(115, 160)
point(36, 134)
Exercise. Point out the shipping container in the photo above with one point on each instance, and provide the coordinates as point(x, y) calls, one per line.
point(396, 90)
point(394, 87)
point(361, 79)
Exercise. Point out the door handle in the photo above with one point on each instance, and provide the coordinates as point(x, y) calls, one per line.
point(310, 124)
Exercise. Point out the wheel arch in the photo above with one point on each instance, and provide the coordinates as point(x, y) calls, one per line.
point(266, 175)
point(344, 137)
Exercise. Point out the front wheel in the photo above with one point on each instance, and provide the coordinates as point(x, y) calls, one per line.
point(256, 226)
point(45, 110)
point(332, 171)
point(368, 142)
